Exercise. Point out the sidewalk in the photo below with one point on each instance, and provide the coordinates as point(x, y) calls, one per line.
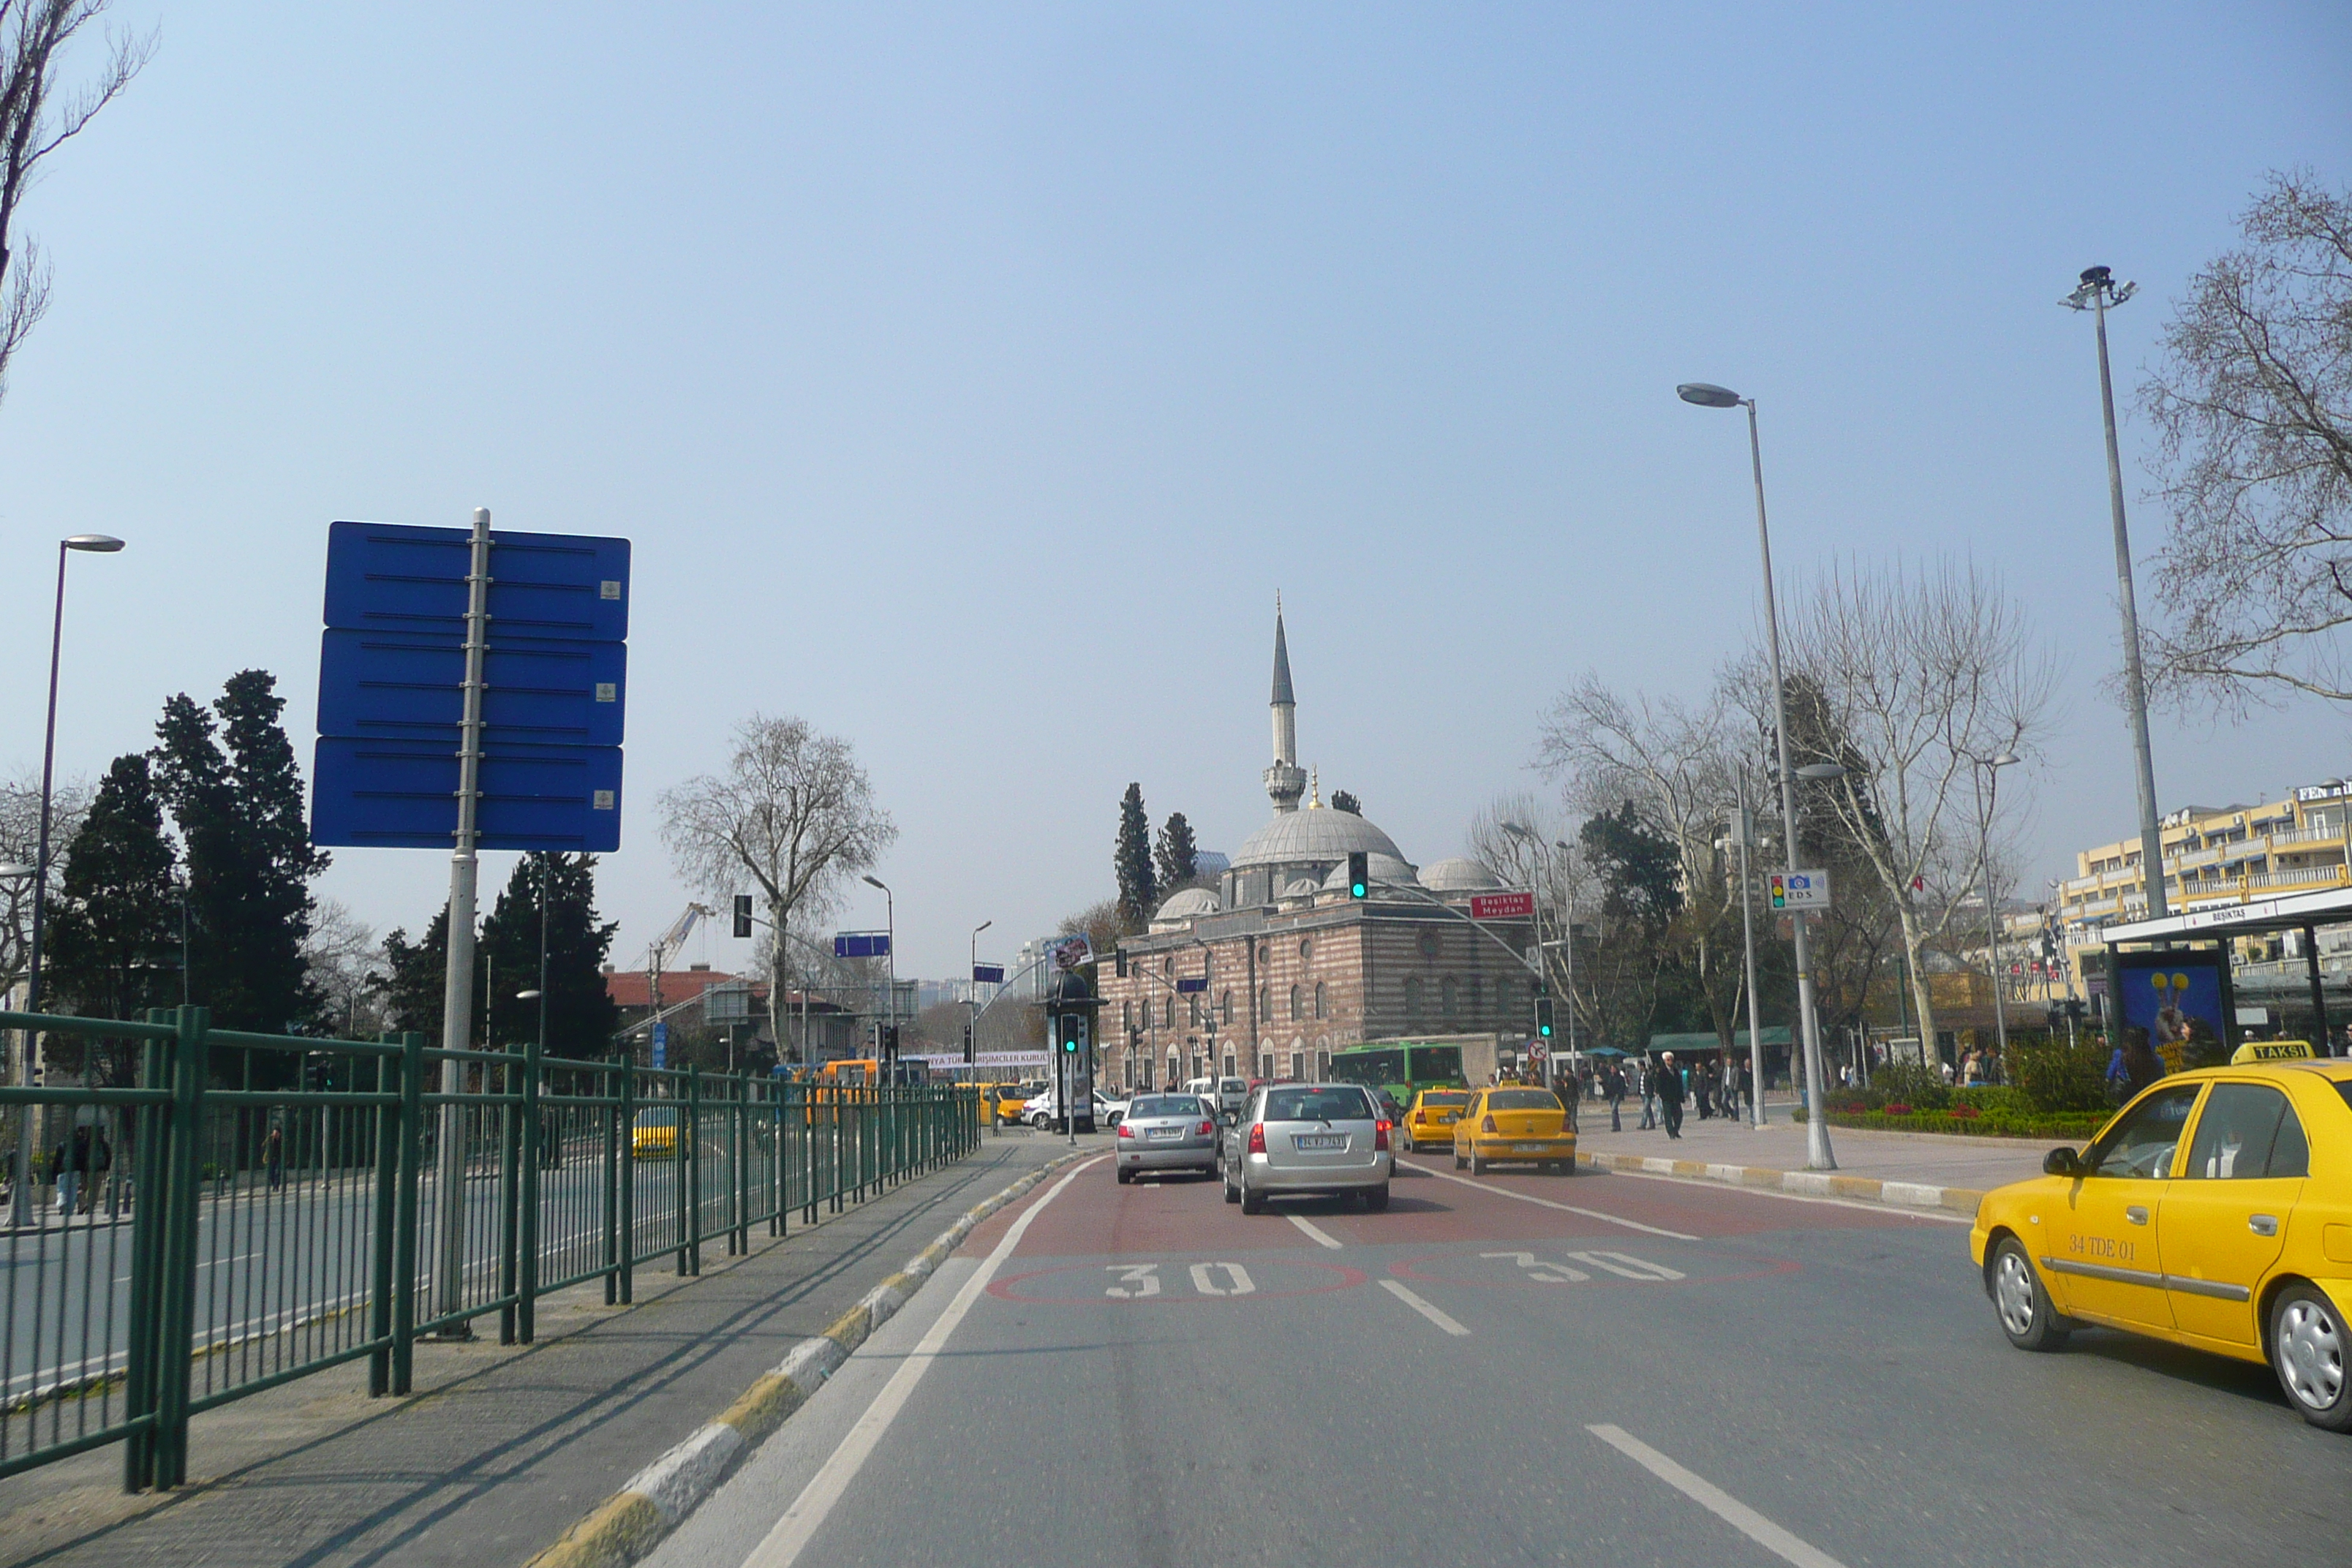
point(500, 1449)
point(1925, 1159)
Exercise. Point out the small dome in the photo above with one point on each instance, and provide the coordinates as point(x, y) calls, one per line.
point(1189, 904)
point(1459, 875)
point(1383, 868)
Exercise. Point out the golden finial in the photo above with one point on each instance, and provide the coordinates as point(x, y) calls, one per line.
point(1315, 788)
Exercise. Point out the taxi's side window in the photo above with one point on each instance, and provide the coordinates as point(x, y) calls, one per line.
point(2247, 1132)
point(2142, 1144)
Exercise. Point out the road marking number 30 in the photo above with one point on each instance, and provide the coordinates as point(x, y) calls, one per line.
point(1542, 1272)
point(1138, 1282)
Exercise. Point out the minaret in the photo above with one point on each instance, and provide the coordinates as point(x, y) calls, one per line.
point(1285, 781)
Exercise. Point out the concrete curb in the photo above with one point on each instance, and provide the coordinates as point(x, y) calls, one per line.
point(1805, 1184)
point(627, 1525)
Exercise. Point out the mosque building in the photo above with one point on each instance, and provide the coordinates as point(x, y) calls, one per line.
point(1294, 968)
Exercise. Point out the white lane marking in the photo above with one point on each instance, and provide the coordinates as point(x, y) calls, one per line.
point(1717, 1502)
point(1424, 1309)
point(1546, 1273)
point(784, 1542)
point(1315, 1231)
point(1800, 1198)
point(1546, 1203)
point(1625, 1265)
point(1136, 1280)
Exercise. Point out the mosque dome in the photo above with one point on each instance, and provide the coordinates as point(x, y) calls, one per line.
point(1191, 903)
point(1382, 867)
point(1459, 875)
point(1317, 835)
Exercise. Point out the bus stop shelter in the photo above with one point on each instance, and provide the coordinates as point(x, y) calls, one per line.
point(2174, 955)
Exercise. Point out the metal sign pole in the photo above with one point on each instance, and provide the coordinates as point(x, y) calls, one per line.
point(457, 992)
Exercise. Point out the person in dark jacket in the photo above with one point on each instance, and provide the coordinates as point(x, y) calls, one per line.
point(1670, 1094)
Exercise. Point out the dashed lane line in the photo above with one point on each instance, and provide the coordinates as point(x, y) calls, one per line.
point(1424, 1309)
point(1546, 1203)
point(1321, 1236)
point(1717, 1502)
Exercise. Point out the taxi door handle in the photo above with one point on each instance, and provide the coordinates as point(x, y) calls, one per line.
point(2264, 1224)
point(2136, 1215)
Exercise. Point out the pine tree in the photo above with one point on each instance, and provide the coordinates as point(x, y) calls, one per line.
point(1176, 857)
point(580, 1015)
point(236, 795)
point(115, 937)
point(1131, 861)
point(414, 976)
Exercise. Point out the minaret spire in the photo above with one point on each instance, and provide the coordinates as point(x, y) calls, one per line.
point(1284, 781)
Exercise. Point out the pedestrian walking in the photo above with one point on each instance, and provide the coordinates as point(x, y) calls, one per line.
point(73, 1164)
point(273, 1157)
point(1646, 1084)
point(1671, 1094)
point(1613, 1083)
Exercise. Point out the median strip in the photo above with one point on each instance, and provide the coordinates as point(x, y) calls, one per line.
point(652, 1502)
point(1916, 1195)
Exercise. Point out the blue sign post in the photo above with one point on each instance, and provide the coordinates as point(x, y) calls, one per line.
point(661, 1046)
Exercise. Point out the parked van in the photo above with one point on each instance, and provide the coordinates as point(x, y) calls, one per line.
point(1227, 1094)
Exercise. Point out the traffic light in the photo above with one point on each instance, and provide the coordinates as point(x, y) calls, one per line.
point(1074, 1028)
point(1543, 1018)
point(967, 1045)
point(889, 1042)
point(742, 914)
point(1359, 874)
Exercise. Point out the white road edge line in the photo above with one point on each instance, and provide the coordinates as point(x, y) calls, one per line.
point(792, 1533)
point(1717, 1502)
point(1905, 1209)
point(1424, 1309)
point(1315, 1231)
point(1546, 1203)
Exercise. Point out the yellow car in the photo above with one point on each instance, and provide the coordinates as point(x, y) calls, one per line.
point(2214, 1211)
point(653, 1135)
point(1430, 1121)
point(1515, 1123)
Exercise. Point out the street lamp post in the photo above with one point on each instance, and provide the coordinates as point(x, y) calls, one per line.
point(1992, 767)
point(2097, 293)
point(889, 924)
point(1818, 1156)
point(972, 1002)
point(1744, 829)
point(21, 1156)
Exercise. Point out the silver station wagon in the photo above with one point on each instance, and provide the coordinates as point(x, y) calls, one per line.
point(1307, 1138)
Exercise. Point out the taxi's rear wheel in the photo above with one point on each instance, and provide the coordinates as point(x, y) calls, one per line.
point(1125, 1176)
point(1458, 1160)
point(2308, 1342)
point(1477, 1164)
point(2027, 1317)
point(1377, 1198)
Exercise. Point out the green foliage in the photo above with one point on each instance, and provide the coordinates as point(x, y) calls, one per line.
point(1910, 1083)
point(1640, 873)
point(228, 775)
point(414, 976)
point(2059, 1077)
point(1139, 887)
point(1341, 800)
point(2055, 1125)
point(581, 1017)
point(114, 939)
point(1176, 859)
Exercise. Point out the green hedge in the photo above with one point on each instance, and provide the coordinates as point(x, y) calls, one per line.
point(2006, 1120)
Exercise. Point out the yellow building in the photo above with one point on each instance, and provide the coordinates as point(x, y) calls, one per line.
point(2231, 855)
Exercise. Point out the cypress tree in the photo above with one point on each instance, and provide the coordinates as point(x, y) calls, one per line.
point(580, 1015)
point(115, 937)
point(1131, 861)
point(1177, 858)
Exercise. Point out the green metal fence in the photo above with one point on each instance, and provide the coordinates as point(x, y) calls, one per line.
point(254, 1209)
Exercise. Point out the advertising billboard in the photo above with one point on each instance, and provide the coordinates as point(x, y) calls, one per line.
point(2179, 1001)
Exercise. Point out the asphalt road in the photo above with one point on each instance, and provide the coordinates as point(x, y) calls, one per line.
point(1626, 1370)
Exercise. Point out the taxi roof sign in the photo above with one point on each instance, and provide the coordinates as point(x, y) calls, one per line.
point(2271, 1051)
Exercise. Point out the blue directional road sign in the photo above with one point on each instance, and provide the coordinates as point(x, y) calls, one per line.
point(411, 685)
point(988, 975)
point(403, 794)
point(862, 944)
point(385, 576)
point(1192, 985)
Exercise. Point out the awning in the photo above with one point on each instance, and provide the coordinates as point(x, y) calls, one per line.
point(2290, 913)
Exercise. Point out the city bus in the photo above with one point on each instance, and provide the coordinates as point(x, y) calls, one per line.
point(1402, 1067)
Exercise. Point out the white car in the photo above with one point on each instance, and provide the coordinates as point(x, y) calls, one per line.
point(1038, 1112)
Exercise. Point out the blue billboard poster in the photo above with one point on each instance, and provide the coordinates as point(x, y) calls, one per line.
point(2175, 1006)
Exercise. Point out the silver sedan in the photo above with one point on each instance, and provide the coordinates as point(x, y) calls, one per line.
point(1307, 1138)
point(1167, 1132)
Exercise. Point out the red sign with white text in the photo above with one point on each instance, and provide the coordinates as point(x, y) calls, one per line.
point(1502, 906)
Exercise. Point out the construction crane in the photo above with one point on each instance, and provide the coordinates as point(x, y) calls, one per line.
point(664, 947)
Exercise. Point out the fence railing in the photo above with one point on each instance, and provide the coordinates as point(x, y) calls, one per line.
point(248, 1209)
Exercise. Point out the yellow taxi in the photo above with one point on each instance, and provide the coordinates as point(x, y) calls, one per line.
point(652, 1134)
point(2214, 1211)
point(1514, 1123)
point(1429, 1124)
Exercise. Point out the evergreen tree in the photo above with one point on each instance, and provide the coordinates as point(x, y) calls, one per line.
point(1176, 857)
point(415, 977)
point(115, 938)
point(580, 1015)
point(235, 794)
point(1139, 890)
point(1341, 800)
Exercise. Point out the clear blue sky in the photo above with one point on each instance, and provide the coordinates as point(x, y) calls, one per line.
point(968, 379)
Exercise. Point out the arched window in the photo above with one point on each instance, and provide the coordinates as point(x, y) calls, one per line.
point(1299, 1063)
point(1298, 1001)
point(1168, 1011)
point(1224, 1008)
point(1229, 1064)
point(1127, 1015)
point(1175, 1069)
point(1412, 998)
point(1193, 1009)
point(1168, 964)
point(1265, 1004)
point(1322, 1002)
point(1323, 1065)
point(1305, 948)
point(1265, 1064)
point(1446, 996)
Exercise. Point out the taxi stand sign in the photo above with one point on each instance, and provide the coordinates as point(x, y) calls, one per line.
point(1798, 890)
point(2271, 1051)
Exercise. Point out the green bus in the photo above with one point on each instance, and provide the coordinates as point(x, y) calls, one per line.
point(1402, 1067)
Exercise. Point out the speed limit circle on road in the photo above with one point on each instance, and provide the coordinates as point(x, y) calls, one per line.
point(1555, 1268)
point(1186, 1281)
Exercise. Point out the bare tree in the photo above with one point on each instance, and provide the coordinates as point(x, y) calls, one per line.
point(1912, 681)
point(1545, 860)
point(793, 814)
point(2253, 403)
point(343, 961)
point(34, 121)
point(20, 831)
